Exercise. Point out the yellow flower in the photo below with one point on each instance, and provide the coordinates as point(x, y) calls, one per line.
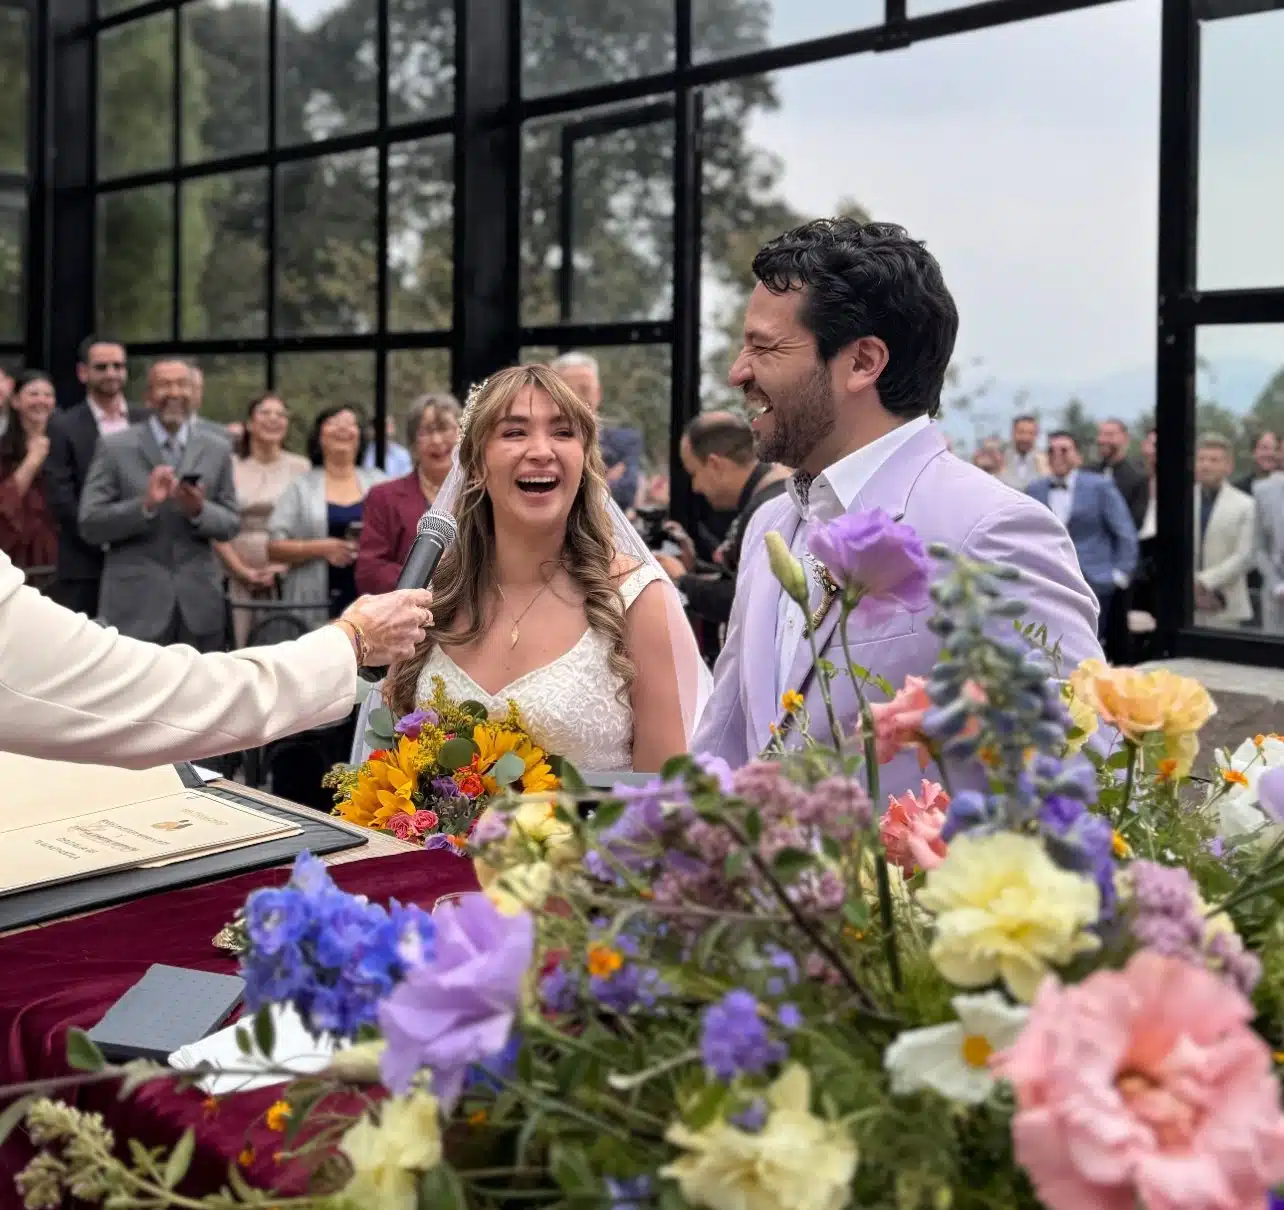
point(387, 1156)
point(1119, 846)
point(603, 961)
point(520, 888)
point(791, 701)
point(494, 740)
point(1003, 909)
point(277, 1115)
point(1144, 703)
point(1083, 718)
point(797, 1161)
point(384, 787)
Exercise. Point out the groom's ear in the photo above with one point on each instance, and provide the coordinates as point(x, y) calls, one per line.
point(861, 363)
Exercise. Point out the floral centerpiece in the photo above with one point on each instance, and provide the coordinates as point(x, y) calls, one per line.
point(433, 771)
point(1048, 976)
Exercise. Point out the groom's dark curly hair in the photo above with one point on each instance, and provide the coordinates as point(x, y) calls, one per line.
point(870, 279)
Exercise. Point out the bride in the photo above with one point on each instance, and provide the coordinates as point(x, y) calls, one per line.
point(549, 598)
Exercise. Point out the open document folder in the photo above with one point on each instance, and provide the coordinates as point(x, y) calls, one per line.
point(60, 822)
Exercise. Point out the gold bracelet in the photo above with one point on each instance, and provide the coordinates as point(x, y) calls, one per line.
point(358, 638)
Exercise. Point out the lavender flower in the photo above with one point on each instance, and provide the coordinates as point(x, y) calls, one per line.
point(880, 563)
point(439, 841)
point(1166, 916)
point(1239, 966)
point(459, 1010)
point(631, 1193)
point(412, 724)
point(752, 1118)
point(734, 1038)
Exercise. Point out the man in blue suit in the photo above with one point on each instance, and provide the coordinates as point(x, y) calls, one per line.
point(1093, 511)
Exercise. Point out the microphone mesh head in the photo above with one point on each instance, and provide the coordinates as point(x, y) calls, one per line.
point(440, 525)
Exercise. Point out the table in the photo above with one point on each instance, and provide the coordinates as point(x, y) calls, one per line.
point(67, 974)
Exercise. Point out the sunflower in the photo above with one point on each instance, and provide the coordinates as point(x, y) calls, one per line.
point(385, 787)
point(493, 740)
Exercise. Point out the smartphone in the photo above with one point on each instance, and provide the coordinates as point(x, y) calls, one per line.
point(191, 480)
point(353, 532)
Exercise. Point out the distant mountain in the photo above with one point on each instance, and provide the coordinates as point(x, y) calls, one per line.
point(1233, 382)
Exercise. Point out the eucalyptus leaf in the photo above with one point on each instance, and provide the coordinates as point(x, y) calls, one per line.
point(243, 1041)
point(607, 814)
point(264, 1031)
point(476, 709)
point(83, 1053)
point(456, 753)
point(13, 1114)
point(375, 741)
point(382, 723)
point(676, 767)
point(567, 774)
point(507, 769)
point(180, 1159)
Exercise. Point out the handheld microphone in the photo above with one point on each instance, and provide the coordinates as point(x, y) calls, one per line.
point(434, 535)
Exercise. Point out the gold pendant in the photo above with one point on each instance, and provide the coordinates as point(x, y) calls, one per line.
point(513, 637)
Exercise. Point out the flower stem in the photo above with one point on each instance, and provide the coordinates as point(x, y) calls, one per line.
point(874, 789)
point(823, 678)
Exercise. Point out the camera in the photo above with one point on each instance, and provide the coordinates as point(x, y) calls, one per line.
point(650, 525)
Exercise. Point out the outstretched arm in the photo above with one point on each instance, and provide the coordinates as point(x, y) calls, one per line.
point(658, 732)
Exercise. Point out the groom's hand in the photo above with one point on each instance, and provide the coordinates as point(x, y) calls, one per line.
point(393, 624)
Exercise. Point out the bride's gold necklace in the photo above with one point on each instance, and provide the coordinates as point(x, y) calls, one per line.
point(515, 633)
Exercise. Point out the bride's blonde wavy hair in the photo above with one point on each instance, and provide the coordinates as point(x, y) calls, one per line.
point(588, 552)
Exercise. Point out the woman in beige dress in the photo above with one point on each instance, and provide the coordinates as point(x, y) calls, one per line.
point(263, 470)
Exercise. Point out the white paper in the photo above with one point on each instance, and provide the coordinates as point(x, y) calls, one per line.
point(295, 1049)
point(206, 775)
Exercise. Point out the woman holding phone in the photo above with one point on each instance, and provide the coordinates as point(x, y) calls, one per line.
point(316, 523)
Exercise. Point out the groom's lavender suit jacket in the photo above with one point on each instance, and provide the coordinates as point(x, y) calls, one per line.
point(945, 500)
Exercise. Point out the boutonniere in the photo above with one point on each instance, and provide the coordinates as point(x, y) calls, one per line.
point(828, 589)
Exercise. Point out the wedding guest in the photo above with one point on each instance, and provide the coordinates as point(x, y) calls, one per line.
point(1223, 537)
point(1024, 463)
point(316, 523)
point(397, 459)
point(847, 338)
point(263, 469)
point(393, 509)
point(78, 692)
point(28, 534)
point(622, 445)
point(1266, 464)
point(989, 457)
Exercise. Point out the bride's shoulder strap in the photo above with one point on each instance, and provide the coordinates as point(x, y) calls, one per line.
point(635, 581)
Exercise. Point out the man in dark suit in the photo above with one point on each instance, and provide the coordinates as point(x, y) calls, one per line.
point(1093, 511)
point(158, 496)
point(73, 437)
point(1113, 442)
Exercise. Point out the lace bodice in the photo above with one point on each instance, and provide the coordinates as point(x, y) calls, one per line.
point(570, 705)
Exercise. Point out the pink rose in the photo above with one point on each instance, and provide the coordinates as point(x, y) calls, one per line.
point(1145, 1087)
point(911, 828)
point(899, 723)
point(423, 821)
point(401, 827)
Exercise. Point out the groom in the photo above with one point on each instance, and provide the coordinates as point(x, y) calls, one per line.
point(847, 338)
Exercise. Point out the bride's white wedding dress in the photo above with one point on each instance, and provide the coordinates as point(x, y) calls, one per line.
point(570, 706)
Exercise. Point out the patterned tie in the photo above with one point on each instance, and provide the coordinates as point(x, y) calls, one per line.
point(802, 485)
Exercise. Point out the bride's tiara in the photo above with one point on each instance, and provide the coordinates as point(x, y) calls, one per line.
point(470, 406)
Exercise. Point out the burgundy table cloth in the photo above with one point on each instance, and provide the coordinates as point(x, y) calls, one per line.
point(68, 975)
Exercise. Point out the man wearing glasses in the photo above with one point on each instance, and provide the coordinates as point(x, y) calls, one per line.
point(73, 436)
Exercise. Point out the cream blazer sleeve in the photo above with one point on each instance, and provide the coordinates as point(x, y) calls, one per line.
point(71, 690)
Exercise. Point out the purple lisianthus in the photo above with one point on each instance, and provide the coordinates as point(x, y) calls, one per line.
point(1080, 840)
point(631, 1193)
point(413, 723)
point(491, 827)
point(734, 1038)
point(1270, 794)
point(458, 1010)
point(439, 841)
point(879, 562)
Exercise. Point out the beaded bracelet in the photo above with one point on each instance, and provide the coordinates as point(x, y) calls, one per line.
point(358, 637)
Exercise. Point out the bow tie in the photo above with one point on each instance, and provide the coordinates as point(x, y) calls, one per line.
point(1061, 484)
point(802, 485)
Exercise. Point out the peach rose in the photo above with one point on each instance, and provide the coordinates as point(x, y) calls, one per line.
point(911, 829)
point(1145, 1087)
point(899, 723)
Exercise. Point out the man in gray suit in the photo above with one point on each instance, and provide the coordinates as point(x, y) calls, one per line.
point(157, 497)
point(1268, 495)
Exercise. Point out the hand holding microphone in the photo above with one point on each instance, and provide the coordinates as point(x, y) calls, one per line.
point(434, 535)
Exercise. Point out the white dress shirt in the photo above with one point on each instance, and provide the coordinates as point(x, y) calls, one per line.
point(831, 495)
point(1061, 499)
point(109, 422)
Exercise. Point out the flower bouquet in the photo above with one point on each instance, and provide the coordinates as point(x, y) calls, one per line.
point(432, 772)
point(1048, 976)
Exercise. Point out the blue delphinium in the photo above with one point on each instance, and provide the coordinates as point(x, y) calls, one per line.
point(734, 1039)
point(332, 955)
point(630, 1193)
point(752, 1118)
point(1078, 839)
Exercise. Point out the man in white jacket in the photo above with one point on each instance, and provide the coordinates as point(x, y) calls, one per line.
point(71, 690)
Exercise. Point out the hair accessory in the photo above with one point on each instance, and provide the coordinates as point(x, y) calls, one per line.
point(470, 406)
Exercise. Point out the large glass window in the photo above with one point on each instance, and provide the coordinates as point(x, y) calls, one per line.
point(421, 233)
point(223, 255)
point(14, 93)
point(136, 96)
point(135, 263)
point(570, 46)
point(327, 68)
point(720, 28)
point(13, 211)
point(225, 78)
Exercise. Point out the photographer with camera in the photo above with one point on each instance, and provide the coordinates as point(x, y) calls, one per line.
point(717, 452)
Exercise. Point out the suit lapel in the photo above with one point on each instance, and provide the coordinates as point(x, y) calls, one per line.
point(149, 446)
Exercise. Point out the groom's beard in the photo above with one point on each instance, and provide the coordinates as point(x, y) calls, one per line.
point(799, 421)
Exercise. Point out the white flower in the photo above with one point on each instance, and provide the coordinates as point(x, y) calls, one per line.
point(953, 1059)
point(1234, 790)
